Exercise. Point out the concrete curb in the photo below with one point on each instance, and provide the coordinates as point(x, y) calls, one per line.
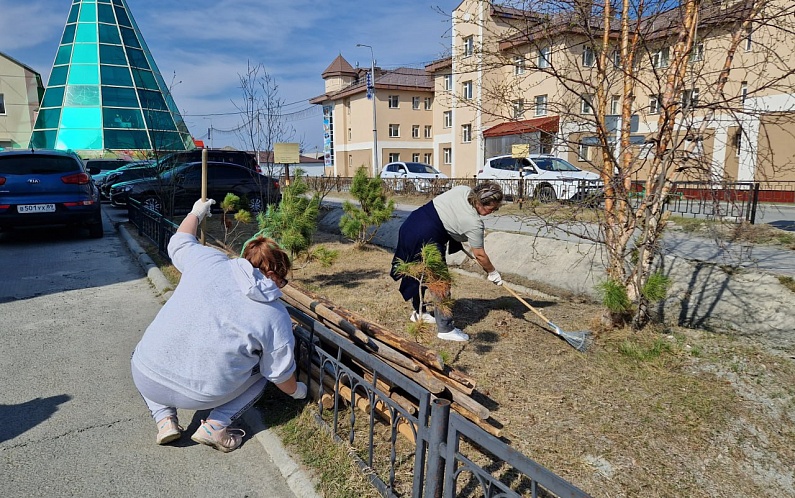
point(297, 480)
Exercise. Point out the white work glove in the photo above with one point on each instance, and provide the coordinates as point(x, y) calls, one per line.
point(495, 278)
point(300, 391)
point(202, 208)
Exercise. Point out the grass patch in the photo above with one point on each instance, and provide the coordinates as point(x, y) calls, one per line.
point(787, 282)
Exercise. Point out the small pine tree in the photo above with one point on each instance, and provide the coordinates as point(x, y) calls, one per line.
point(431, 272)
point(295, 220)
point(232, 203)
point(361, 223)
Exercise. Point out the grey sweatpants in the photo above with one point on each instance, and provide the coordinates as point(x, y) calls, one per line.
point(163, 402)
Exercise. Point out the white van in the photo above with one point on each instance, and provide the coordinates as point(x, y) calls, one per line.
point(545, 177)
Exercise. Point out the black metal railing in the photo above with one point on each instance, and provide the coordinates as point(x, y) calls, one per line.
point(151, 225)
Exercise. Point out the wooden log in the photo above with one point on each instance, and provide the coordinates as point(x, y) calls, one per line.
point(459, 376)
point(401, 343)
point(451, 382)
point(472, 417)
point(429, 382)
point(363, 404)
point(372, 345)
point(470, 404)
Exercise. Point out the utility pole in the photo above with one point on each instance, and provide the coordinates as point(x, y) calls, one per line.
point(371, 95)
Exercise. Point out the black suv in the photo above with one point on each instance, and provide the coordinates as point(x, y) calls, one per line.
point(239, 157)
point(105, 164)
point(41, 187)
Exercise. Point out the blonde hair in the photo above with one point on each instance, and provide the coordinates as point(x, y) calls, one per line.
point(264, 253)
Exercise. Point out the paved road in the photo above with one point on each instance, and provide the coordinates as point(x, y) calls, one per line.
point(71, 421)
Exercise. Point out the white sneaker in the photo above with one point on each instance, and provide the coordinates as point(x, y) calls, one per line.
point(426, 317)
point(453, 335)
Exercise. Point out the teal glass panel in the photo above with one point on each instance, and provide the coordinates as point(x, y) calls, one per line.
point(152, 100)
point(115, 75)
point(73, 13)
point(58, 76)
point(136, 58)
point(121, 15)
point(105, 13)
point(48, 118)
point(85, 53)
point(86, 33)
point(129, 38)
point(81, 96)
point(156, 120)
point(64, 54)
point(166, 140)
point(81, 117)
point(88, 12)
point(122, 118)
point(77, 139)
point(117, 2)
point(145, 79)
point(109, 34)
point(83, 74)
point(53, 96)
point(119, 97)
point(125, 139)
point(68, 34)
point(112, 54)
point(43, 139)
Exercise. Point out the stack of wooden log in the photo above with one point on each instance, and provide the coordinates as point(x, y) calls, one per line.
point(417, 362)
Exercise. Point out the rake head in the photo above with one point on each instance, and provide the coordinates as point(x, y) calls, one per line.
point(580, 341)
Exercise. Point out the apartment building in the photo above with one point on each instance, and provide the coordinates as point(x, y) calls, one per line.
point(399, 105)
point(524, 77)
point(21, 90)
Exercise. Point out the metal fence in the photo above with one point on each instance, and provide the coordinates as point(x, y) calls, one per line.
point(447, 456)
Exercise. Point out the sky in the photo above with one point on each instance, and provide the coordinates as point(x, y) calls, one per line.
point(202, 46)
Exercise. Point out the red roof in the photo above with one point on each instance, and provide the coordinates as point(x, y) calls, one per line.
point(547, 124)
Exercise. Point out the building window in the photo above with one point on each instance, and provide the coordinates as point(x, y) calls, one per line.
point(415, 157)
point(415, 131)
point(469, 46)
point(415, 103)
point(394, 131)
point(582, 152)
point(466, 133)
point(690, 98)
point(348, 106)
point(448, 155)
point(394, 102)
point(448, 82)
point(744, 92)
point(616, 57)
point(748, 39)
point(586, 106)
point(543, 58)
point(428, 131)
point(428, 103)
point(467, 90)
point(448, 119)
point(660, 58)
point(588, 58)
point(615, 105)
point(738, 141)
point(2, 104)
point(427, 158)
point(518, 109)
point(541, 105)
point(518, 65)
point(654, 104)
point(697, 54)
point(349, 133)
point(394, 157)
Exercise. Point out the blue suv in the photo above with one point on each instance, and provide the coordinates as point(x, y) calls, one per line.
point(40, 187)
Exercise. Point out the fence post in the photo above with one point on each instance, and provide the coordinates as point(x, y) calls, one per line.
point(754, 203)
point(440, 418)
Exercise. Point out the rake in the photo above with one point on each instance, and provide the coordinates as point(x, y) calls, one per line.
point(578, 340)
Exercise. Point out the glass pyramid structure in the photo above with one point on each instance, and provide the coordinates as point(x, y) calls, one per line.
point(105, 91)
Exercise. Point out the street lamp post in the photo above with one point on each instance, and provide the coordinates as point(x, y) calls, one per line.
point(375, 129)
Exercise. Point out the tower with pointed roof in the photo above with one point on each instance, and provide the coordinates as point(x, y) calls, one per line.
point(105, 91)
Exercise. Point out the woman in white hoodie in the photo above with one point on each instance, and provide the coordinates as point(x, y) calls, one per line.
point(219, 339)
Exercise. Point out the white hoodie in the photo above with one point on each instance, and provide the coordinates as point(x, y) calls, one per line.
point(223, 323)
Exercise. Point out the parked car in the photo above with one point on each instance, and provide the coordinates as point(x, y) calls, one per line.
point(419, 177)
point(133, 171)
point(239, 157)
point(106, 165)
point(546, 178)
point(180, 186)
point(40, 187)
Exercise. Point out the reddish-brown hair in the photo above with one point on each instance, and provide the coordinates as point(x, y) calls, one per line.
point(265, 254)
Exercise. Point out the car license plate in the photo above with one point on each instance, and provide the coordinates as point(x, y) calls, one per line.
point(36, 208)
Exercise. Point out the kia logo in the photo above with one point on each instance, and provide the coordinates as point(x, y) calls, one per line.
point(34, 180)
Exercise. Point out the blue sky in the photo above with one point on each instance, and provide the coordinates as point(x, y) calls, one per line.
point(202, 46)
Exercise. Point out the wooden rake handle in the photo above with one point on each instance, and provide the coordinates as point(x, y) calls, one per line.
point(531, 308)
